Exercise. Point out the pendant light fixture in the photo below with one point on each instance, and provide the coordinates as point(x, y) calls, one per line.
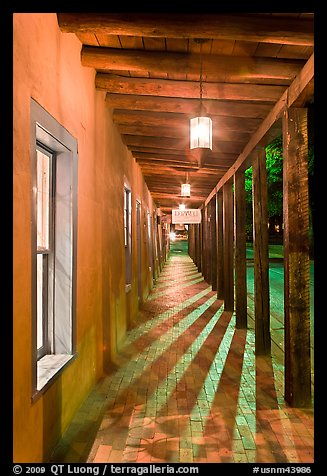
point(186, 187)
point(201, 126)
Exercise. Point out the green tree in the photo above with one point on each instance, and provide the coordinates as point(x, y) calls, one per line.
point(274, 164)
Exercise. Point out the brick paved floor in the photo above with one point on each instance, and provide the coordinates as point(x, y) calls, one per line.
point(188, 389)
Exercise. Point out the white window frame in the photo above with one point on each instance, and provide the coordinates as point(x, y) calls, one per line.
point(50, 137)
point(128, 236)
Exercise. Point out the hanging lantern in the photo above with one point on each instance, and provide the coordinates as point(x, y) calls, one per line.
point(186, 190)
point(201, 132)
point(186, 187)
point(182, 206)
point(201, 126)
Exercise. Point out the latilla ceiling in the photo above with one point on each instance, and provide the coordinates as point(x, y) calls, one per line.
point(149, 65)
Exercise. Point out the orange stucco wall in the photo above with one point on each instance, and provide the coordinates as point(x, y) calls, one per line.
point(47, 67)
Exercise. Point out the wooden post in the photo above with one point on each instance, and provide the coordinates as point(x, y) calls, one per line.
point(206, 245)
point(197, 247)
point(240, 250)
point(200, 267)
point(204, 242)
point(193, 242)
point(220, 245)
point(296, 258)
point(190, 241)
point(213, 244)
point(261, 262)
point(228, 247)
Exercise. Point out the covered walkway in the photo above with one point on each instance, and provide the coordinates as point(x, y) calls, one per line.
point(126, 349)
point(189, 388)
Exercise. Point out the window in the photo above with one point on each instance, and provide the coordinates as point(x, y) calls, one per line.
point(54, 161)
point(44, 258)
point(128, 237)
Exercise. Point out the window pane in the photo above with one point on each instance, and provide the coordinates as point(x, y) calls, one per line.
point(39, 294)
point(126, 216)
point(43, 200)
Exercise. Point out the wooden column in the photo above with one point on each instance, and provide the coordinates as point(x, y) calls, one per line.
point(208, 244)
point(196, 244)
point(240, 250)
point(191, 241)
point(220, 245)
point(261, 263)
point(296, 258)
point(200, 267)
point(205, 245)
point(203, 242)
point(228, 247)
point(213, 244)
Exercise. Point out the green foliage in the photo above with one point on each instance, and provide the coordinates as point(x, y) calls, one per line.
point(274, 161)
point(274, 164)
point(248, 185)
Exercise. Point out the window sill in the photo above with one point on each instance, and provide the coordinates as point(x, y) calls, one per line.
point(48, 369)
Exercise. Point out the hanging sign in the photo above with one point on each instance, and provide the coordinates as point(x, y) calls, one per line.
point(186, 216)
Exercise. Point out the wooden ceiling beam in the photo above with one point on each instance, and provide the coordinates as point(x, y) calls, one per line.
point(187, 156)
point(254, 27)
point(159, 168)
point(289, 98)
point(181, 121)
point(152, 167)
point(187, 89)
point(173, 183)
point(186, 106)
point(165, 157)
point(222, 67)
point(181, 145)
point(172, 196)
point(180, 132)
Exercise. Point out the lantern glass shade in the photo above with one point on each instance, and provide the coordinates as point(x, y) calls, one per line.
point(201, 132)
point(186, 190)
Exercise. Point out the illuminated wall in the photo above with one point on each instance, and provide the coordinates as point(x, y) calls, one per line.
point(47, 68)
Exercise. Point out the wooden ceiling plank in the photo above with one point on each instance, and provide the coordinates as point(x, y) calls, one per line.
point(244, 48)
point(187, 89)
point(111, 41)
point(222, 47)
point(223, 68)
point(88, 39)
point(177, 44)
point(154, 44)
point(289, 97)
point(131, 42)
point(269, 50)
point(168, 25)
point(298, 52)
